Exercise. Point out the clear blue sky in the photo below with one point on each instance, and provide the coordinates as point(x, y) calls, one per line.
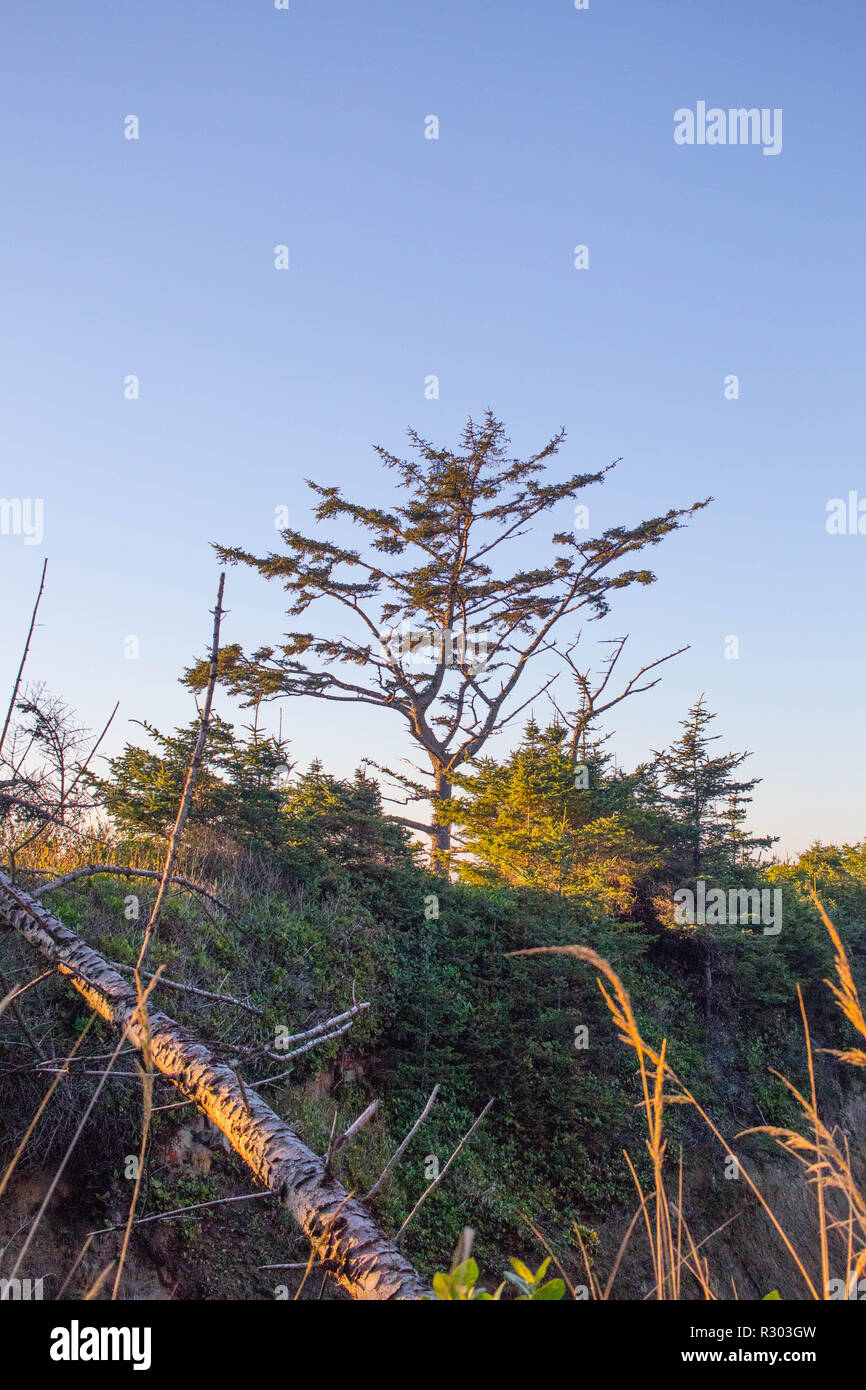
point(452, 257)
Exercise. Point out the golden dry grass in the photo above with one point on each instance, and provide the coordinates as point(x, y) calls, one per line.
point(822, 1152)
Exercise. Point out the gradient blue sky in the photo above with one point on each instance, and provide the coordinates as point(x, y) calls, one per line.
point(454, 257)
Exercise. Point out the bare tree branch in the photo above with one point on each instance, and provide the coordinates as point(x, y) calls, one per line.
point(124, 871)
point(12, 1000)
point(591, 709)
point(436, 1181)
point(191, 989)
point(23, 657)
point(189, 788)
point(335, 1145)
point(398, 1154)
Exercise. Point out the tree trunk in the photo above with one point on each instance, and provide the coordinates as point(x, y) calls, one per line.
point(440, 834)
point(342, 1233)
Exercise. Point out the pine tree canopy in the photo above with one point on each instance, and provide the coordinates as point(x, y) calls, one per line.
point(444, 633)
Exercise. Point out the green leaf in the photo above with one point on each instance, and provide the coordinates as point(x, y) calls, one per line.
point(553, 1290)
point(442, 1286)
point(774, 1294)
point(465, 1275)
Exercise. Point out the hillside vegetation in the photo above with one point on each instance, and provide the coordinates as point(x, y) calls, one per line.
point(279, 902)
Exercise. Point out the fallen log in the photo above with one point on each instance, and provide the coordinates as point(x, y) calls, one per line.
point(341, 1231)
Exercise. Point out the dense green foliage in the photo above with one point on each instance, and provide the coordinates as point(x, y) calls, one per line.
point(353, 910)
point(319, 900)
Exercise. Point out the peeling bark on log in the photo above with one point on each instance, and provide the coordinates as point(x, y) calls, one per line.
point(342, 1233)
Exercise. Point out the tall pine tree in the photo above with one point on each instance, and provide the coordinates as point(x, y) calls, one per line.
point(431, 625)
point(706, 801)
